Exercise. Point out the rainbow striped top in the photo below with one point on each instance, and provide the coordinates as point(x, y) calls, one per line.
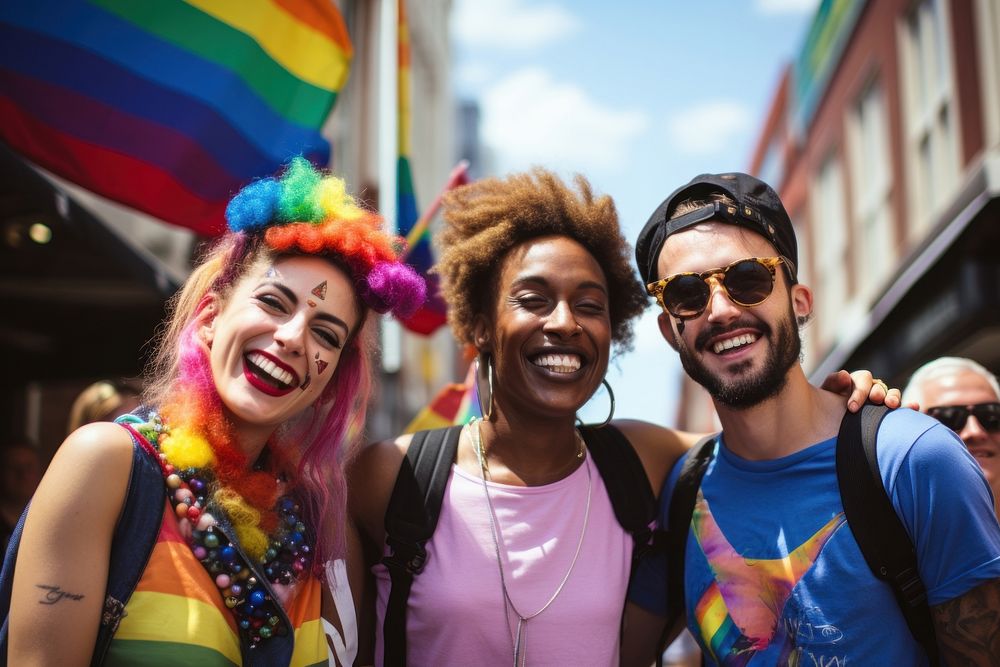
point(176, 615)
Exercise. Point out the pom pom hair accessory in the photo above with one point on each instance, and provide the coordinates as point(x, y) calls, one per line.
point(307, 211)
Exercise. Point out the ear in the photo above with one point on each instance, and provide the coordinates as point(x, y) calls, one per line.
point(802, 301)
point(667, 329)
point(481, 334)
point(204, 317)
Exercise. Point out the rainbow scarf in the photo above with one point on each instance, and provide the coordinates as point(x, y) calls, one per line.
point(169, 106)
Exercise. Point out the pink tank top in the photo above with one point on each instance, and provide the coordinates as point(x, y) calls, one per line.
point(456, 606)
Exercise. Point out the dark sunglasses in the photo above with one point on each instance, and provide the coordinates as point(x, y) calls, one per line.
point(748, 282)
point(955, 416)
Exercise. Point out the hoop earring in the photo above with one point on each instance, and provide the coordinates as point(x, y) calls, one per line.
point(611, 414)
point(487, 414)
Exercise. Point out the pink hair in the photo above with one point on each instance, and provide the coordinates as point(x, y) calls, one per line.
point(336, 429)
point(317, 442)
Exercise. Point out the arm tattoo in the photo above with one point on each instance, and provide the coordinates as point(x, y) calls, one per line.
point(968, 627)
point(55, 594)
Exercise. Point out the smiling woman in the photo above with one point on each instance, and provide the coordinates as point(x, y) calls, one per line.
point(538, 278)
point(261, 379)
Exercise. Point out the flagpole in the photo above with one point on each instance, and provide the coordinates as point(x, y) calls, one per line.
point(457, 176)
point(388, 146)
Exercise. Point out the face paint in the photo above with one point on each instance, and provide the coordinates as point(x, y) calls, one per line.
point(311, 302)
point(320, 366)
point(320, 291)
point(271, 273)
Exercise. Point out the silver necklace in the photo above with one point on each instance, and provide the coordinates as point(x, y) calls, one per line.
point(519, 640)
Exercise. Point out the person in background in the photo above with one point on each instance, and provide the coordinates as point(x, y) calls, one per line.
point(103, 401)
point(965, 397)
point(20, 471)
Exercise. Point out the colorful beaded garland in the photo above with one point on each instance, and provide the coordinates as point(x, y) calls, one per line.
point(288, 556)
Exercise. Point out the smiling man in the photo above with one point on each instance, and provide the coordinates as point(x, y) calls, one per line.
point(772, 572)
point(965, 397)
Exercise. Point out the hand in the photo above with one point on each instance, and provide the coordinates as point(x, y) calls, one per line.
point(860, 386)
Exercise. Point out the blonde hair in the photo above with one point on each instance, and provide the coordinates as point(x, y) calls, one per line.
point(97, 401)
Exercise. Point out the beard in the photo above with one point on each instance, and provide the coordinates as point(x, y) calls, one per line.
point(747, 389)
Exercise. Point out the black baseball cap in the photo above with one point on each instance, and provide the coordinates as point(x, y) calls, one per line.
point(757, 208)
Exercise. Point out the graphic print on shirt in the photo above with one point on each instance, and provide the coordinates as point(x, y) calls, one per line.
point(738, 614)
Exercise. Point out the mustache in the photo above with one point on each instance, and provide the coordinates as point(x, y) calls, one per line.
point(713, 330)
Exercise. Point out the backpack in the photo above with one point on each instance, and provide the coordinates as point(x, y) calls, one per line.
point(415, 506)
point(878, 530)
point(133, 540)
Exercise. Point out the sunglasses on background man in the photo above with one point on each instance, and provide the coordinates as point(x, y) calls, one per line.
point(955, 416)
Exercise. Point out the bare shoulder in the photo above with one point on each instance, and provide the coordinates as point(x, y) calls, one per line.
point(102, 448)
point(98, 453)
point(370, 480)
point(658, 447)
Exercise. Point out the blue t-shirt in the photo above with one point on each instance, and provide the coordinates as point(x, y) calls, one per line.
point(773, 574)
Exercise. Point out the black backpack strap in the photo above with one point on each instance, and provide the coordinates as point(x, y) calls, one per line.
point(621, 470)
point(410, 520)
point(7, 581)
point(682, 500)
point(876, 526)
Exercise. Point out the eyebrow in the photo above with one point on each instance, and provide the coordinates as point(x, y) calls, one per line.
point(326, 317)
point(587, 284)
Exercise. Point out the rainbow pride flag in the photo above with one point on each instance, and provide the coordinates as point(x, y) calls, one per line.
point(169, 106)
point(457, 403)
point(420, 255)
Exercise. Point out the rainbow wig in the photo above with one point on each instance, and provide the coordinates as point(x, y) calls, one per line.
point(301, 212)
point(307, 212)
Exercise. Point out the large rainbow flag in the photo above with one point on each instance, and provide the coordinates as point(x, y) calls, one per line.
point(169, 106)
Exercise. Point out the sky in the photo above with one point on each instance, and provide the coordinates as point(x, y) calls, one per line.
point(639, 96)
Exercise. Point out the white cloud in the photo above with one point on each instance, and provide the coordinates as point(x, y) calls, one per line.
point(515, 25)
point(709, 128)
point(472, 74)
point(785, 6)
point(529, 118)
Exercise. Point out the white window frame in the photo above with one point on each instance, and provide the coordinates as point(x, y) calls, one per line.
point(875, 253)
point(930, 117)
point(828, 218)
point(987, 23)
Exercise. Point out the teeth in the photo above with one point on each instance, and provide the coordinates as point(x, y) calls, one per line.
point(559, 363)
point(730, 343)
point(270, 368)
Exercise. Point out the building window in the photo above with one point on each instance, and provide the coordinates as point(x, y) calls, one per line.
point(988, 38)
point(871, 186)
point(932, 143)
point(829, 230)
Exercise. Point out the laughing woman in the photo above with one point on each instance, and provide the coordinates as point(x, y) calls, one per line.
point(528, 563)
point(261, 376)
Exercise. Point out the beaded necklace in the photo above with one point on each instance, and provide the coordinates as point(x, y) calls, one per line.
point(249, 596)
